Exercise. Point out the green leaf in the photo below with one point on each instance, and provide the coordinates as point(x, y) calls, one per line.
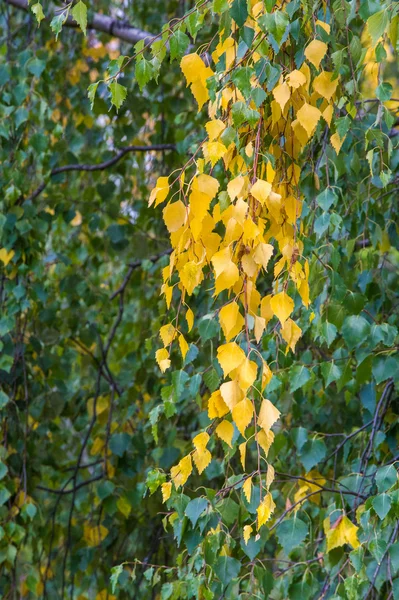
point(118, 94)
point(322, 223)
point(331, 372)
point(144, 72)
point(385, 367)
point(37, 10)
point(115, 574)
point(376, 25)
point(195, 508)
point(239, 12)
point(4, 399)
point(91, 93)
point(291, 533)
point(57, 23)
point(179, 43)
point(327, 198)
point(227, 568)
point(381, 505)
point(386, 477)
point(79, 13)
point(298, 376)
point(276, 23)
point(329, 332)
point(384, 91)
point(355, 331)
point(312, 453)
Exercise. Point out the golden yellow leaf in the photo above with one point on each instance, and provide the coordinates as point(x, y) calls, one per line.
point(230, 356)
point(191, 275)
point(325, 26)
point(214, 128)
point(213, 151)
point(246, 374)
point(182, 471)
point(183, 346)
point(242, 414)
point(268, 414)
point(262, 254)
point(269, 475)
point(337, 142)
point(199, 205)
point(282, 306)
point(202, 459)
point(200, 441)
point(231, 320)
point(295, 79)
point(94, 535)
point(206, 184)
point(266, 374)
point(235, 186)
point(266, 308)
point(265, 439)
point(308, 116)
point(325, 85)
point(247, 533)
point(166, 491)
point(231, 393)
point(243, 451)
point(167, 333)
point(217, 406)
point(315, 52)
point(342, 532)
point(174, 215)
point(265, 510)
point(247, 488)
point(282, 94)
point(160, 191)
point(291, 334)
point(259, 327)
point(261, 190)
point(77, 220)
point(226, 271)
point(328, 114)
point(190, 319)
point(162, 358)
point(5, 256)
point(192, 66)
point(225, 431)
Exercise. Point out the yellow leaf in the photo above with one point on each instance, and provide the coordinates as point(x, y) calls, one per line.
point(191, 275)
point(247, 489)
point(231, 320)
point(246, 374)
point(200, 93)
point(234, 187)
point(295, 79)
point(162, 358)
point(213, 151)
point(282, 94)
point(266, 374)
point(183, 346)
point(308, 116)
point(291, 333)
point(265, 510)
point(174, 215)
point(337, 142)
point(325, 26)
point(123, 506)
point(182, 471)
point(160, 191)
point(94, 535)
point(206, 185)
point(231, 393)
point(77, 220)
point(199, 204)
point(315, 52)
point(214, 128)
point(166, 491)
point(225, 431)
point(325, 85)
point(5, 256)
point(328, 114)
point(167, 333)
point(247, 533)
point(266, 309)
point(202, 459)
point(230, 356)
point(190, 319)
point(269, 476)
point(261, 190)
point(200, 441)
point(243, 451)
point(242, 414)
point(259, 327)
point(262, 254)
point(268, 414)
point(226, 271)
point(265, 439)
point(192, 66)
point(342, 532)
point(282, 306)
point(217, 406)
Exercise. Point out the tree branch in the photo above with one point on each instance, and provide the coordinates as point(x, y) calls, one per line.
point(103, 23)
point(100, 166)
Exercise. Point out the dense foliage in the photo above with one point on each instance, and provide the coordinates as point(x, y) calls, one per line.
point(199, 289)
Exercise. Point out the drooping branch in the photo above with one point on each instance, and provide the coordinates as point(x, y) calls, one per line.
point(101, 23)
point(100, 166)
